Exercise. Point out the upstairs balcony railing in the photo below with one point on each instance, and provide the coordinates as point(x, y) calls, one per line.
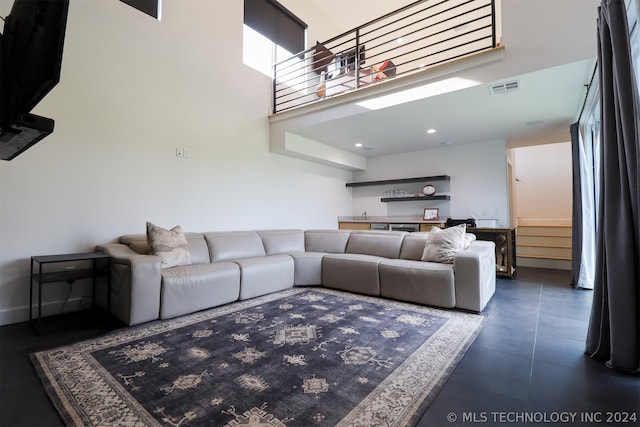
point(413, 38)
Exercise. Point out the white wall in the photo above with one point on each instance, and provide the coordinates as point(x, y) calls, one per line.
point(544, 184)
point(132, 90)
point(320, 26)
point(478, 183)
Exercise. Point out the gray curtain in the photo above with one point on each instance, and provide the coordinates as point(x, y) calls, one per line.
point(576, 239)
point(614, 327)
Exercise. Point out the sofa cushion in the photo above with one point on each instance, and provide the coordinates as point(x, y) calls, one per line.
point(413, 245)
point(137, 243)
point(308, 268)
point(282, 241)
point(328, 241)
point(443, 245)
point(264, 275)
point(170, 245)
point(351, 272)
point(427, 283)
point(197, 246)
point(191, 288)
point(475, 270)
point(232, 245)
point(384, 244)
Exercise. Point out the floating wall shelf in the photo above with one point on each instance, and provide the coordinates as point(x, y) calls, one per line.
point(413, 198)
point(402, 181)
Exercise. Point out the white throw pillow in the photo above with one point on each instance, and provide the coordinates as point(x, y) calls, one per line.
point(170, 245)
point(443, 245)
point(468, 238)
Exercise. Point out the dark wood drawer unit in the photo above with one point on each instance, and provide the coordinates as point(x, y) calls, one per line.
point(505, 240)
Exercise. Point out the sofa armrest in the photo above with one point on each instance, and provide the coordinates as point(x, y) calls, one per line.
point(135, 284)
point(475, 275)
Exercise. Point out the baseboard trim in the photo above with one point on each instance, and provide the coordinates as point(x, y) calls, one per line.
point(21, 314)
point(554, 264)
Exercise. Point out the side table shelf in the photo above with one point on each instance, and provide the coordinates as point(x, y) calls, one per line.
point(69, 275)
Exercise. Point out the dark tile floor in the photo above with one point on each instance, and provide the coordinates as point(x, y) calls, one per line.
point(527, 365)
point(23, 401)
point(527, 362)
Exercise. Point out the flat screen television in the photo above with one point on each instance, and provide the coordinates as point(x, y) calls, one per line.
point(348, 59)
point(30, 64)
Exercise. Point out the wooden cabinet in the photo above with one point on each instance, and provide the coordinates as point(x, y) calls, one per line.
point(354, 226)
point(428, 227)
point(505, 240)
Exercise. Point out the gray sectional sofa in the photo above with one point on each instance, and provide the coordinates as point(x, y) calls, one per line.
point(229, 266)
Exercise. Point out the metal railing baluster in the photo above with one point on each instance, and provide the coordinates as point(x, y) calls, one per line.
point(435, 32)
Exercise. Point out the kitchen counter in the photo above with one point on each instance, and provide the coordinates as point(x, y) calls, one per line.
point(387, 222)
point(390, 219)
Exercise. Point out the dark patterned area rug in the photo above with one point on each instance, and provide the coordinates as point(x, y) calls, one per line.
point(302, 357)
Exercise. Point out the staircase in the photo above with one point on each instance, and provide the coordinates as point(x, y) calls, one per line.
point(544, 246)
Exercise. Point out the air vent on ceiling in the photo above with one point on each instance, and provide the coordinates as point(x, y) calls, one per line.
point(504, 88)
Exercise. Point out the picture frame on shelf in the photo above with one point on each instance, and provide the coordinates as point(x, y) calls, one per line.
point(430, 214)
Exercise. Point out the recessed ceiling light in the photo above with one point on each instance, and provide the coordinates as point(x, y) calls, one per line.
point(431, 131)
point(420, 92)
point(399, 40)
point(359, 144)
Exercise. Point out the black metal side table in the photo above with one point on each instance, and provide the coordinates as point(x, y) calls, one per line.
point(69, 275)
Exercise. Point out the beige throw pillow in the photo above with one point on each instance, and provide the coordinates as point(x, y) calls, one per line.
point(170, 245)
point(443, 245)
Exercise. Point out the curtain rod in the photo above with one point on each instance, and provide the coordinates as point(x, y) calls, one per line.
point(586, 95)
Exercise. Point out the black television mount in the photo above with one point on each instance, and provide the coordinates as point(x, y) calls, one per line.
point(26, 131)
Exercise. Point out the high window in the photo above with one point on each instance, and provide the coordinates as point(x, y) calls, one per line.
point(271, 34)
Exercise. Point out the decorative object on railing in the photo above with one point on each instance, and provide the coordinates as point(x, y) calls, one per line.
point(417, 36)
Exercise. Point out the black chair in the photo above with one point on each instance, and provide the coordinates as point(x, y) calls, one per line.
point(471, 222)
